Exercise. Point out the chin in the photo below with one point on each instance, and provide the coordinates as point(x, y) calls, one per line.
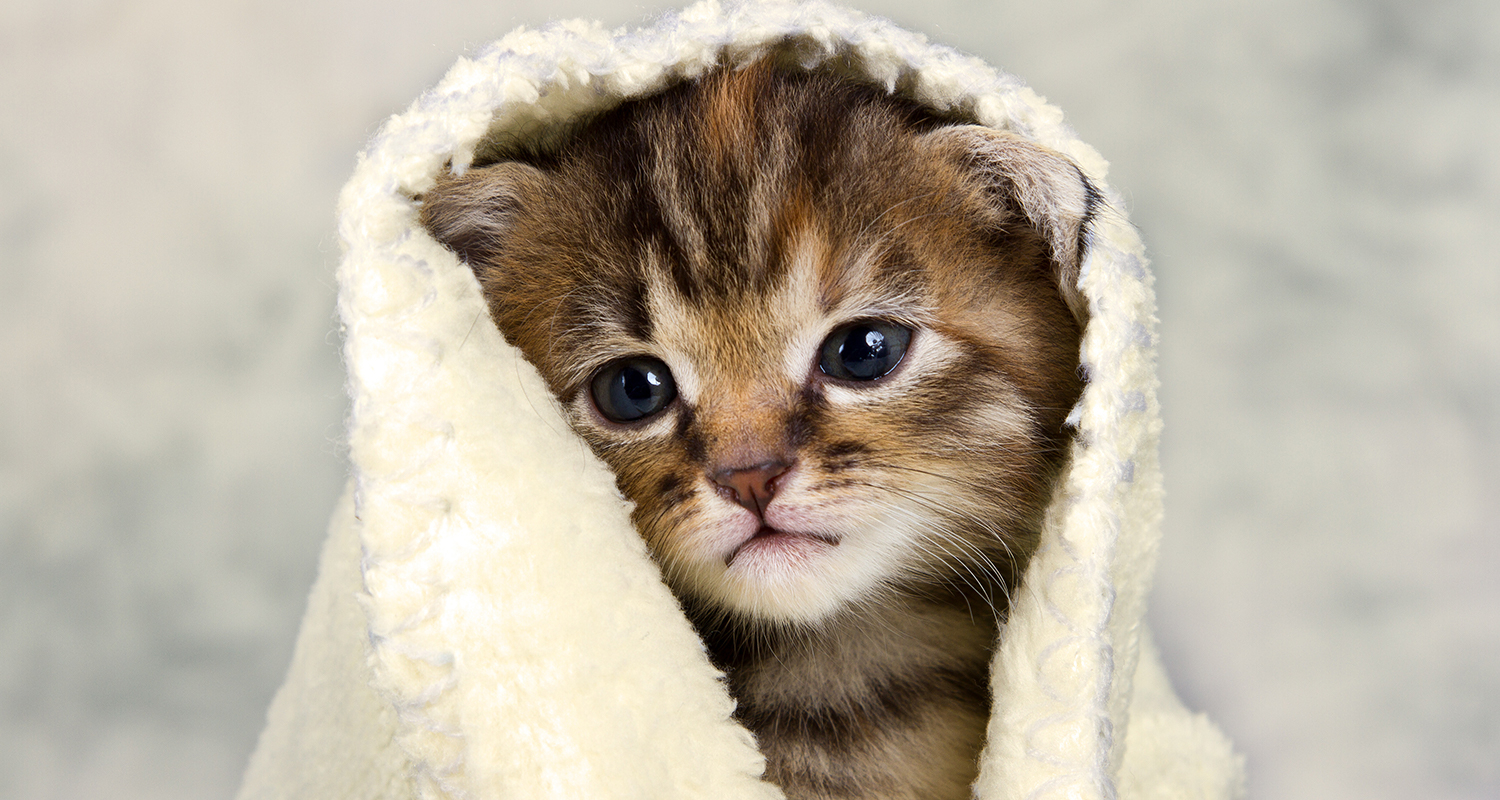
point(791, 579)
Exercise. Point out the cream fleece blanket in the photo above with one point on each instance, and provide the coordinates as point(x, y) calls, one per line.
point(486, 622)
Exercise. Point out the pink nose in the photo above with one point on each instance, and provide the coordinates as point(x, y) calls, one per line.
point(751, 487)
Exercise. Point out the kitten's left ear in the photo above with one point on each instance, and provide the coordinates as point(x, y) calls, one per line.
point(471, 214)
point(1051, 191)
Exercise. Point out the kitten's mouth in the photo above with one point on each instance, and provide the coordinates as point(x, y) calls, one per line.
point(773, 543)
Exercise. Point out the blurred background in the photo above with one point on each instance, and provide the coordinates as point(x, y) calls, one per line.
point(1318, 182)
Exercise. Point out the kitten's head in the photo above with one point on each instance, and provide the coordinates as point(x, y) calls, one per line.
point(825, 341)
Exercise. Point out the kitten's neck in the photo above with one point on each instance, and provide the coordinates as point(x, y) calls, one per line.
point(887, 702)
point(890, 639)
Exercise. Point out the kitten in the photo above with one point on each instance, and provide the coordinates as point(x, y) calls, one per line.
point(826, 340)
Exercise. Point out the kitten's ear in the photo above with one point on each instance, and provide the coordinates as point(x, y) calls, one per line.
point(471, 214)
point(1049, 189)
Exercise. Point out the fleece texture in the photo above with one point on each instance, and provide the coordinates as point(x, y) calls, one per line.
point(487, 624)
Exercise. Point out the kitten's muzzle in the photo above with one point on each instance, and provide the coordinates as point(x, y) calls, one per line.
point(751, 487)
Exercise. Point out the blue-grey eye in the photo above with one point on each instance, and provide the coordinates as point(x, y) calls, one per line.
point(633, 388)
point(864, 350)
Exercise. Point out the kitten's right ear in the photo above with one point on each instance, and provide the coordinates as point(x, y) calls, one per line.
point(472, 213)
point(1044, 185)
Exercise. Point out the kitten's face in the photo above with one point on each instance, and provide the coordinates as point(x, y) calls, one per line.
point(824, 353)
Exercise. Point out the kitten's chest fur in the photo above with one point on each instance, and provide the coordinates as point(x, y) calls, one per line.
point(826, 341)
point(891, 704)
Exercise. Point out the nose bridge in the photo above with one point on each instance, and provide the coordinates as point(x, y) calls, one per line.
point(746, 427)
point(743, 398)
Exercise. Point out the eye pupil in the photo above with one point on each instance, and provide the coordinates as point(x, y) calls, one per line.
point(633, 388)
point(864, 351)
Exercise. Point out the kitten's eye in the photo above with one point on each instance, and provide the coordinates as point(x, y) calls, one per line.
point(864, 351)
point(633, 388)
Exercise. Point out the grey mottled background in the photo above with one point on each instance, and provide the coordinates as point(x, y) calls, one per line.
point(1319, 182)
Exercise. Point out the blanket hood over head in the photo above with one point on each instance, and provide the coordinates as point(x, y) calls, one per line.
point(486, 622)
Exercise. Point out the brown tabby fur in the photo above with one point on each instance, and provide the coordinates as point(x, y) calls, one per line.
point(727, 226)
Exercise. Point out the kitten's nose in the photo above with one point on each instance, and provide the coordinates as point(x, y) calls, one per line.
point(751, 487)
